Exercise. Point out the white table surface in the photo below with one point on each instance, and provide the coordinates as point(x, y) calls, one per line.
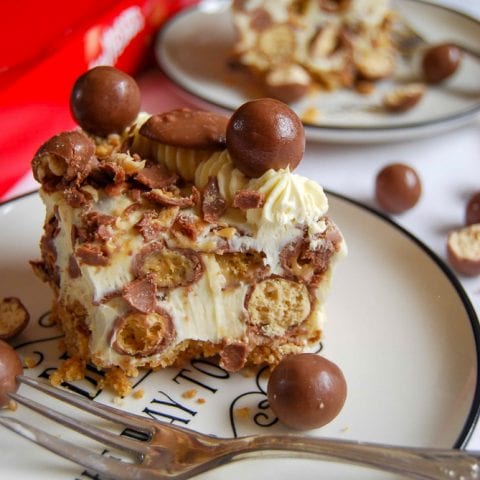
point(448, 164)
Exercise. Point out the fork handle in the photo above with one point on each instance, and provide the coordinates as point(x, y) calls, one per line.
point(417, 463)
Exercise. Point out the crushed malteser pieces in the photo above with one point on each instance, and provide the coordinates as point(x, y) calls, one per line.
point(227, 232)
point(403, 98)
point(30, 362)
point(310, 115)
point(189, 393)
point(116, 379)
point(14, 317)
point(12, 406)
point(243, 412)
point(138, 394)
point(201, 401)
point(463, 250)
point(70, 370)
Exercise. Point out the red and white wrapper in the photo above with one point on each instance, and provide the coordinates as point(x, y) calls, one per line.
point(45, 46)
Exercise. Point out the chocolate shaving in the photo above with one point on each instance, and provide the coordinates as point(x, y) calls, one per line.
point(97, 226)
point(77, 198)
point(73, 268)
point(49, 251)
point(141, 294)
point(213, 204)
point(107, 173)
point(298, 259)
point(187, 226)
point(148, 227)
point(156, 176)
point(245, 199)
point(168, 198)
point(92, 254)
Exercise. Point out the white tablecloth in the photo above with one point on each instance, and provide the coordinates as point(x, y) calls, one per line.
point(448, 164)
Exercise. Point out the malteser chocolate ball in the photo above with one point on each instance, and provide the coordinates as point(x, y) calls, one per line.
point(105, 100)
point(10, 367)
point(472, 213)
point(397, 188)
point(306, 391)
point(264, 134)
point(440, 61)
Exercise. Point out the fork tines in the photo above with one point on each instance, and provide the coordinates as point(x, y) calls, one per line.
point(108, 467)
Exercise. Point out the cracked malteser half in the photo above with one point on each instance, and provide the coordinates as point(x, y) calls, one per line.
point(160, 244)
point(290, 46)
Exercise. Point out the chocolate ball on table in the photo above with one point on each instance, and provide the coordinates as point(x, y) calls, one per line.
point(105, 100)
point(10, 367)
point(472, 212)
point(440, 62)
point(306, 391)
point(397, 188)
point(264, 134)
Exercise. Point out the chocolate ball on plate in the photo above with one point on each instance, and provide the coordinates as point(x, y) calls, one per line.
point(440, 62)
point(306, 391)
point(105, 100)
point(397, 188)
point(264, 134)
point(10, 367)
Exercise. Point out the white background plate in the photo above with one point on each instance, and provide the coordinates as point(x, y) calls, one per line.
point(399, 326)
point(194, 46)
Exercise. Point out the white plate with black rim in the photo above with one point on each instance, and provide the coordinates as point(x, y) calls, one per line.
point(193, 49)
point(399, 325)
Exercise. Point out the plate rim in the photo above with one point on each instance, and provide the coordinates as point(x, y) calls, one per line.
point(416, 126)
point(472, 419)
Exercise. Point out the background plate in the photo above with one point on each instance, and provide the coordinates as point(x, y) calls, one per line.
point(399, 325)
point(194, 46)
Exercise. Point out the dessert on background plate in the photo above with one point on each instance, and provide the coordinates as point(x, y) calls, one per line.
point(181, 234)
point(291, 46)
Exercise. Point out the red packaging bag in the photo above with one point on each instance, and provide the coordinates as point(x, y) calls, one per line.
point(35, 84)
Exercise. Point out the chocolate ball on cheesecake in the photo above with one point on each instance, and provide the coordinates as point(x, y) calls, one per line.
point(105, 100)
point(264, 134)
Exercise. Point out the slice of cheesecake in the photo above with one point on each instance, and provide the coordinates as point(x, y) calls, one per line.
point(159, 246)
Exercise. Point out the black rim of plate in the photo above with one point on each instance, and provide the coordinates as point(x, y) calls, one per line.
point(416, 126)
point(474, 413)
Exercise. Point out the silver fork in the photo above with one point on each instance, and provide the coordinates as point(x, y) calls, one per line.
point(172, 452)
point(408, 40)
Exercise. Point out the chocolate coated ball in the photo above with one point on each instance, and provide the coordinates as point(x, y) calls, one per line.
point(105, 100)
point(472, 214)
point(440, 61)
point(306, 391)
point(264, 134)
point(397, 188)
point(10, 367)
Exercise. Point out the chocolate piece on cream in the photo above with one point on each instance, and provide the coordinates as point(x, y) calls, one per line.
point(10, 367)
point(105, 100)
point(66, 157)
point(187, 128)
point(264, 134)
point(306, 391)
